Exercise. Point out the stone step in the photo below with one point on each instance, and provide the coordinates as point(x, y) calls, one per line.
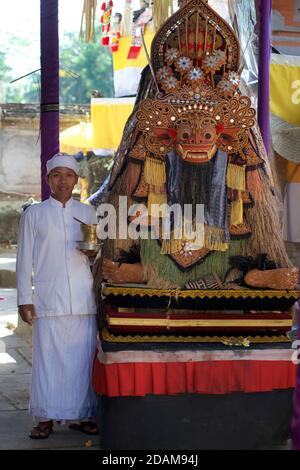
point(7, 269)
point(7, 279)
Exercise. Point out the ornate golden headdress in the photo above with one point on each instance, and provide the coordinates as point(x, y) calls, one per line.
point(195, 59)
point(196, 31)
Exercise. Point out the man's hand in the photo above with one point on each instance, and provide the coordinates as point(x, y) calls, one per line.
point(114, 273)
point(27, 313)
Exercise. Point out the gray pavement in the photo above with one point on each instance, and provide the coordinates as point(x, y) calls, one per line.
point(15, 376)
point(8, 267)
point(8, 307)
point(8, 260)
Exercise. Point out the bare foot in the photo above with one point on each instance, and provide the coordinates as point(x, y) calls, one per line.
point(123, 274)
point(281, 278)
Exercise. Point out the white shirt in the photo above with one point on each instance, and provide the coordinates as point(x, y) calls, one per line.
point(61, 273)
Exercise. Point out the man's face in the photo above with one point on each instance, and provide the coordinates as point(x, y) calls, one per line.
point(62, 181)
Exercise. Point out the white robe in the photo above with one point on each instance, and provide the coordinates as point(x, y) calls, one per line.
point(63, 353)
point(64, 340)
point(48, 236)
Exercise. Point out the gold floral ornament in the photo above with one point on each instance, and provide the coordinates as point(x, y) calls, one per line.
point(172, 55)
point(195, 76)
point(163, 73)
point(183, 65)
point(226, 88)
point(229, 84)
point(235, 117)
point(156, 120)
point(213, 62)
point(234, 78)
point(220, 56)
point(170, 84)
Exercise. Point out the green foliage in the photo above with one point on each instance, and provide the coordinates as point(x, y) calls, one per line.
point(22, 91)
point(93, 65)
point(26, 90)
point(10, 42)
point(4, 68)
point(5, 74)
point(83, 68)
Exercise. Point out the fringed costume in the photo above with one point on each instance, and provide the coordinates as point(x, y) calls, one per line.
point(201, 309)
point(193, 139)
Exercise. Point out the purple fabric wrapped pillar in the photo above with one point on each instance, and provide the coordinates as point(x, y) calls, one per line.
point(296, 416)
point(265, 7)
point(49, 86)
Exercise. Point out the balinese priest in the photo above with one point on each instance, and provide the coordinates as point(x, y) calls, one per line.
point(62, 309)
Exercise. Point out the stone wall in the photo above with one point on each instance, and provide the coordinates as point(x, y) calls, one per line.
point(286, 26)
point(20, 158)
point(20, 145)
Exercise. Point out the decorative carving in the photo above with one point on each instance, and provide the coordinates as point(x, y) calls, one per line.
point(186, 260)
point(138, 152)
point(195, 56)
point(142, 189)
point(194, 127)
point(196, 29)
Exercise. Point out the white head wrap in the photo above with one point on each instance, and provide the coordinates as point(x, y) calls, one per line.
point(63, 160)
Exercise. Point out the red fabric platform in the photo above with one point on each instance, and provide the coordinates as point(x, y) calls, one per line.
point(211, 377)
point(143, 321)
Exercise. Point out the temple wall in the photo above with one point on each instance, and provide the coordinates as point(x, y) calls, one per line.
point(286, 26)
point(20, 159)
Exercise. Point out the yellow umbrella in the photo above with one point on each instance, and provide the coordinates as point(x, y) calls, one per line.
point(77, 138)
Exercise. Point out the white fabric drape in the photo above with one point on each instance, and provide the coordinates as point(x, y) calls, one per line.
point(63, 354)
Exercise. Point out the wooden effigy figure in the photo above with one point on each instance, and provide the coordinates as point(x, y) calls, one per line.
point(193, 139)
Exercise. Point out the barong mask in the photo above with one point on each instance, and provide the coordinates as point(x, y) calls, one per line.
point(195, 128)
point(198, 108)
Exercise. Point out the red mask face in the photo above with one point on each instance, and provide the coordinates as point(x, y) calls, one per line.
point(196, 140)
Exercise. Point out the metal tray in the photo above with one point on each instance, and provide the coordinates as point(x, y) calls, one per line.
point(88, 246)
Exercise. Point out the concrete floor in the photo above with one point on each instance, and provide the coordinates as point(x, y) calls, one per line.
point(15, 376)
point(8, 268)
point(8, 260)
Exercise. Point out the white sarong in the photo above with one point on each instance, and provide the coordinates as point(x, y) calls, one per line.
point(63, 354)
